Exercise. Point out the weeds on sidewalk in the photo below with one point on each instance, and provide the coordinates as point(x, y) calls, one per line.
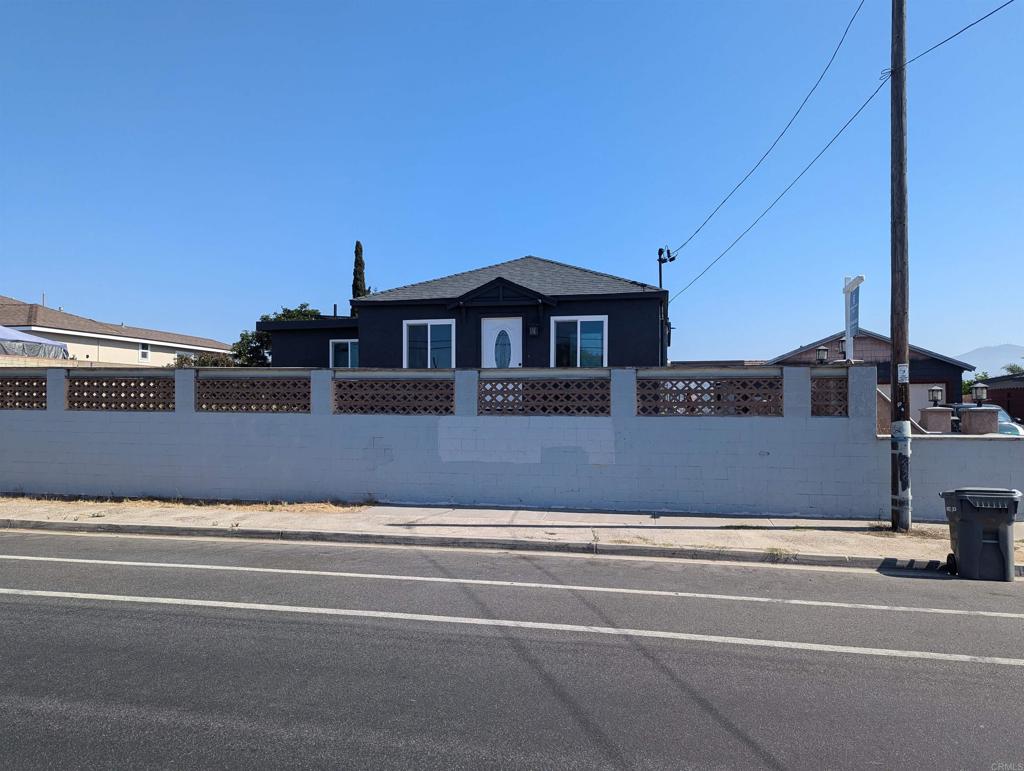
point(327, 506)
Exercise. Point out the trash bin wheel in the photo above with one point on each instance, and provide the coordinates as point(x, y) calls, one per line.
point(951, 563)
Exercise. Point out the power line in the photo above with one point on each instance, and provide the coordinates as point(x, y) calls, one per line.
point(788, 187)
point(886, 75)
point(781, 134)
point(959, 32)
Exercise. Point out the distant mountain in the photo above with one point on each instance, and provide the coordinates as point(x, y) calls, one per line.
point(992, 358)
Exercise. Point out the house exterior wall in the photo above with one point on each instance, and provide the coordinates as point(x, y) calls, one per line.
point(307, 347)
point(116, 352)
point(1010, 399)
point(33, 362)
point(632, 329)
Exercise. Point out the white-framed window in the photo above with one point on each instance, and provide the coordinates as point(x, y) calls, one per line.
point(579, 341)
point(344, 353)
point(428, 344)
point(143, 351)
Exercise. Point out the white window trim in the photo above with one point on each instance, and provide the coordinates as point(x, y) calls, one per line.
point(578, 319)
point(406, 323)
point(330, 350)
point(145, 351)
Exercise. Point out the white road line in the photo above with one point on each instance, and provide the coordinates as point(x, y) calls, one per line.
point(606, 630)
point(520, 585)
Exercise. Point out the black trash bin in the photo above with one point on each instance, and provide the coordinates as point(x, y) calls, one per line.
point(981, 531)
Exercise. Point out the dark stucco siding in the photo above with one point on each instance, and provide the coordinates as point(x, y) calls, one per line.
point(307, 347)
point(632, 330)
point(929, 370)
point(633, 337)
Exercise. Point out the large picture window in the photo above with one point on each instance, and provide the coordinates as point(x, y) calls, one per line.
point(428, 344)
point(344, 353)
point(579, 341)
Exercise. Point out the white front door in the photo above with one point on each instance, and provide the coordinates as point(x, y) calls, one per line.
point(502, 342)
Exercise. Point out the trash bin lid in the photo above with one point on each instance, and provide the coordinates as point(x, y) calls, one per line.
point(985, 497)
point(1000, 492)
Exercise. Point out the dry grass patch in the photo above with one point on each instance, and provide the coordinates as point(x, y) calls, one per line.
point(191, 504)
point(930, 531)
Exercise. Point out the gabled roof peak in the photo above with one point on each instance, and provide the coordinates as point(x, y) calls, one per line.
point(546, 277)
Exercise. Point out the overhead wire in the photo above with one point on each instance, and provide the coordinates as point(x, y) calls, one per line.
point(779, 137)
point(885, 77)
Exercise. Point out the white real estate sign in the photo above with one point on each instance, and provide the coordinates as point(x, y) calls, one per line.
point(851, 297)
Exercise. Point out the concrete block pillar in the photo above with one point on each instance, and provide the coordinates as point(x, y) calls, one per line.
point(862, 392)
point(796, 392)
point(184, 390)
point(321, 396)
point(979, 420)
point(623, 393)
point(56, 390)
point(938, 420)
point(466, 383)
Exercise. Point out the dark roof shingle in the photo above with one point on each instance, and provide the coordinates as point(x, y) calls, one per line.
point(554, 279)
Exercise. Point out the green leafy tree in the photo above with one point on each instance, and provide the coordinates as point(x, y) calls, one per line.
point(202, 359)
point(1014, 369)
point(979, 377)
point(253, 348)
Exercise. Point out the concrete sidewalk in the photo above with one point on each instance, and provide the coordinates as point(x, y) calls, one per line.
point(822, 541)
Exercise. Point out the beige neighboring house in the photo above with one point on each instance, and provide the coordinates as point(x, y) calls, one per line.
point(93, 342)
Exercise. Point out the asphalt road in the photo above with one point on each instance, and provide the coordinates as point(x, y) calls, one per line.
point(343, 656)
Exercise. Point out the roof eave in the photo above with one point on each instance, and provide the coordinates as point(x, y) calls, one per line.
point(955, 362)
point(651, 293)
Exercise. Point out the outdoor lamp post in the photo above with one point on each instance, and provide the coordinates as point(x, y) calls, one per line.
point(935, 395)
point(821, 354)
point(979, 391)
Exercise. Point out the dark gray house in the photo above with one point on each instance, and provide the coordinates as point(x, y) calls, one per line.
point(528, 312)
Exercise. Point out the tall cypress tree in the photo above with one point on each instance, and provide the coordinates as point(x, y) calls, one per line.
point(358, 273)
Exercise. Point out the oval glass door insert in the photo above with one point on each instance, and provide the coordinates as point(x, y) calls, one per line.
point(502, 350)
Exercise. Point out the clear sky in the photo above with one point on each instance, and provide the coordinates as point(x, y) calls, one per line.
point(191, 165)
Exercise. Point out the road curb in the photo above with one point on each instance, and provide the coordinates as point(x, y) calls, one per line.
point(516, 544)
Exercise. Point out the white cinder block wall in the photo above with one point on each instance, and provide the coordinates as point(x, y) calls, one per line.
point(791, 465)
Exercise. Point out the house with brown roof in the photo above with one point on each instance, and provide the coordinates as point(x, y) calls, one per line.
point(927, 368)
point(100, 342)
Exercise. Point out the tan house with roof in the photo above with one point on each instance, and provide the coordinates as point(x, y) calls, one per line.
point(97, 342)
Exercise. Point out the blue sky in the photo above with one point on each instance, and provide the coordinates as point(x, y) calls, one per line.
point(191, 165)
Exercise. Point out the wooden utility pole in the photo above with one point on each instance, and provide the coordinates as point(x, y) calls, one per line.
point(899, 311)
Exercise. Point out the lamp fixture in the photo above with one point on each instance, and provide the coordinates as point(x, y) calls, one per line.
point(979, 392)
point(821, 354)
point(935, 395)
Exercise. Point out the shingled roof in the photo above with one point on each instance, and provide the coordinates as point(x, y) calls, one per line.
point(15, 313)
point(547, 277)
